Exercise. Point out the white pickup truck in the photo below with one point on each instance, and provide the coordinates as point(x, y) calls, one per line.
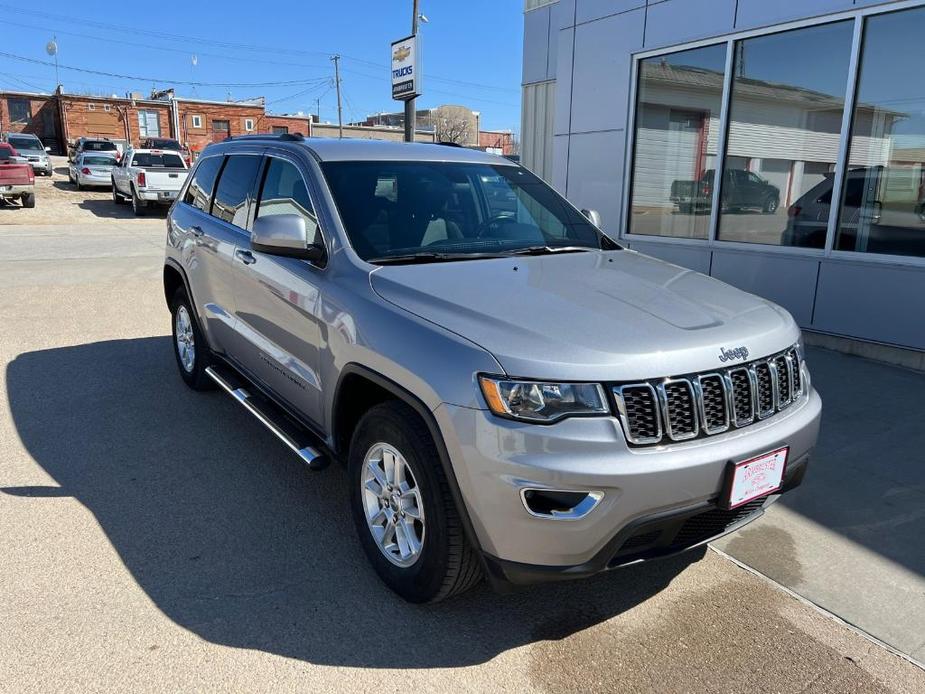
point(148, 177)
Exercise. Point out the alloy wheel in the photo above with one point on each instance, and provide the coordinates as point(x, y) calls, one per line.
point(392, 504)
point(186, 343)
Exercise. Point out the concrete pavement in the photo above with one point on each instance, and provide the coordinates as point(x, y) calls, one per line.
point(156, 539)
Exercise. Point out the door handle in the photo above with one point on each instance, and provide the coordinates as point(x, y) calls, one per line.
point(245, 257)
point(196, 231)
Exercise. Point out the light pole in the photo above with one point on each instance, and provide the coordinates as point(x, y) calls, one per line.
point(410, 112)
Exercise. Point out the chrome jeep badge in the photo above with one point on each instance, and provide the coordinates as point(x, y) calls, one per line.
point(732, 354)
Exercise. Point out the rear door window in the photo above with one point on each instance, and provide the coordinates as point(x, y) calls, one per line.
point(199, 191)
point(234, 187)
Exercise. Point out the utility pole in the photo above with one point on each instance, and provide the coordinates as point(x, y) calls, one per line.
point(410, 112)
point(340, 117)
point(318, 108)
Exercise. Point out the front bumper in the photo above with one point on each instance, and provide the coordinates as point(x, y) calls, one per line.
point(495, 459)
point(41, 166)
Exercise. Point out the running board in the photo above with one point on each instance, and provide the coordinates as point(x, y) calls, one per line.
point(271, 417)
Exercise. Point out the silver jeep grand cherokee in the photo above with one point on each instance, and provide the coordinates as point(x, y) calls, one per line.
point(515, 395)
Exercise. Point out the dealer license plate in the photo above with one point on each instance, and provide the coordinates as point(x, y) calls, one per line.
point(756, 477)
point(167, 196)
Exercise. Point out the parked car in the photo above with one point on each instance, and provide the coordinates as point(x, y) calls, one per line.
point(92, 169)
point(148, 177)
point(90, 144)
point(741, 190)
point(31, 147)
point(17, 179)
point(514, 394)
point(168, 143)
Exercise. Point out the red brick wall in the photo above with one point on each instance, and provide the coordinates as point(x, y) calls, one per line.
point(88, 117)
point(266, 123)
point(500, 140)
point(43, 120)
point(198, 138)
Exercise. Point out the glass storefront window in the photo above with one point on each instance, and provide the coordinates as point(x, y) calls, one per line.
point(883, 203)
point(788, 97)
point(677, 126)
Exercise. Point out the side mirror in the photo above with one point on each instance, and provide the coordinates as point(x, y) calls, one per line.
point(48, 150)
point(593, 216)
point(284, 234)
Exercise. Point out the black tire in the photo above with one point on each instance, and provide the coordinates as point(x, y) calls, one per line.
point(116, 198)
point(195, 377)
point(770, 205)
point(77, 184)
point(28, 200)
point(139, 206)
point(447, 564)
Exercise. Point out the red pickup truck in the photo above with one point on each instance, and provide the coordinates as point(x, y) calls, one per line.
point(17, 181)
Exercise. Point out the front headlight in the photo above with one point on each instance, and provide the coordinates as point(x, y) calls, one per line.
point(533, 401)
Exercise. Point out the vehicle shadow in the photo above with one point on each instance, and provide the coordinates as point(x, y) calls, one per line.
point(235, 541)
point(106, 208)
point(65, 184)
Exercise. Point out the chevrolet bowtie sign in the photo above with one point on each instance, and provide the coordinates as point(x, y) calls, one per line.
point(406, 75)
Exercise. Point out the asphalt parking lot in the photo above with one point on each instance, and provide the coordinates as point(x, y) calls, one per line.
point(156, 539)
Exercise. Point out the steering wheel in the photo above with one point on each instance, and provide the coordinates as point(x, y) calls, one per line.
point(493, 223)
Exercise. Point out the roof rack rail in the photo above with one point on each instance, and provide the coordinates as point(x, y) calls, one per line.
point(297, 137)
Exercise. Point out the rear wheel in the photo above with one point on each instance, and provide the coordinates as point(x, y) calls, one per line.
point(28, 200)
point(189, 346)
point(770, 205)
point(138, 205)
point(404, 513)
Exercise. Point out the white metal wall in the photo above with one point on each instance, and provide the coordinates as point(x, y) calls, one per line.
point(537, 113)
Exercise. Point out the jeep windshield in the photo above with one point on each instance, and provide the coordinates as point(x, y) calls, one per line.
point(416, 212)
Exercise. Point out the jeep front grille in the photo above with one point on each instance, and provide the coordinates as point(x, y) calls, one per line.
point(688, 407)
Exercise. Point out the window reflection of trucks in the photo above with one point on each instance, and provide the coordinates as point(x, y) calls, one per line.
point(741, 190)
point(882, 210)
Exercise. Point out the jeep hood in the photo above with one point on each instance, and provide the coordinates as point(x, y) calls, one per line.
point(594, 315)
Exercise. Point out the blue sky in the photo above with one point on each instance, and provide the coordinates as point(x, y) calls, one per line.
point(472, 51)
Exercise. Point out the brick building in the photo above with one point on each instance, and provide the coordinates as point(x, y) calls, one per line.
point(497, 141)
point(125, 119)
point(61, 118)
point(24, 112)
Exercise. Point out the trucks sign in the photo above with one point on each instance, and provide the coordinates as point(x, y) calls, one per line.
point(406, 75)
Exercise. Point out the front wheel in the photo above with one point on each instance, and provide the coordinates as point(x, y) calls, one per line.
point(403, 510)
point(189, 345)
point(28, 200)
point(770, 205)
point(116, 198)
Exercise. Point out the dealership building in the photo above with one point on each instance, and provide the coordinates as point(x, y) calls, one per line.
point(777, 146)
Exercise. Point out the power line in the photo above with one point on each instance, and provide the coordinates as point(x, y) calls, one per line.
point(198, 40)
point(285, 83)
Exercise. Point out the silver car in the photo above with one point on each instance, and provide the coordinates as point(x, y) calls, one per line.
point(514, 395)
point(32, 150)
point(91, 169)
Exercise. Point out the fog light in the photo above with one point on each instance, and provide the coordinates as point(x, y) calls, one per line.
point(558, 504)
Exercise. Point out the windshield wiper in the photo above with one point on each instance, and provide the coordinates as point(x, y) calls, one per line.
point(428, 257)
point(543, 250)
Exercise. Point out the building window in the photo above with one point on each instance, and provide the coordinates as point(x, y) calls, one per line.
point(883, 198)
point(149, 124)
point(784, 133)
point(107, 108)
point(248, 124)
point(280, 130)
point(20, 110)
point(197, 121)
point(677, 127)
point(91, 107)
point(221, 129)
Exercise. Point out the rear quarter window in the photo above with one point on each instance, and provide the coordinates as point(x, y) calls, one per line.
point(199, 191)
